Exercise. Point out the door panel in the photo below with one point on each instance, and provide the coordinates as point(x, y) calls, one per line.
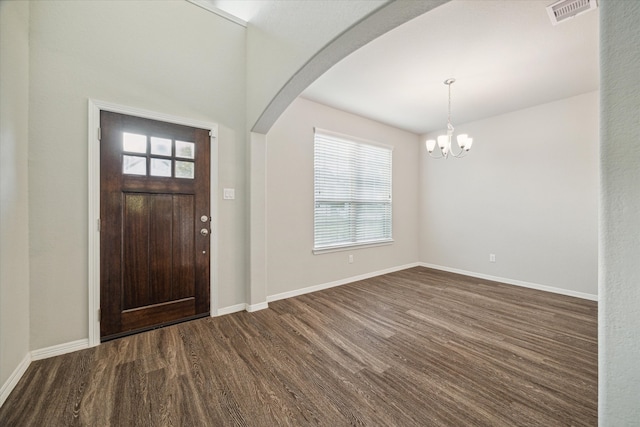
point(135, 259)
point(154, 262)
point(183, 236)
point(160, 247)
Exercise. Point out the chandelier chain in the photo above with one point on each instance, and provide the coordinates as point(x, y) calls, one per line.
point(449, 117)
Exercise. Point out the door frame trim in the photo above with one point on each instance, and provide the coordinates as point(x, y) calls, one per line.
point(94, 108)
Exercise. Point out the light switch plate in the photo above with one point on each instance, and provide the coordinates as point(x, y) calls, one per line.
point(228, 193)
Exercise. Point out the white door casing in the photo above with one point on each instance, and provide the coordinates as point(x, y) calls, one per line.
point(94, 108)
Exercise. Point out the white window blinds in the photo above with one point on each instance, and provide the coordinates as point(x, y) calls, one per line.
point(352, 180)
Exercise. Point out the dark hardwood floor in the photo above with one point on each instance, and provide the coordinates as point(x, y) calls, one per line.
point(413, 348)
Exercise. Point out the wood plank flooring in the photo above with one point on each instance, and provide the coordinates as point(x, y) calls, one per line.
point(417, 347)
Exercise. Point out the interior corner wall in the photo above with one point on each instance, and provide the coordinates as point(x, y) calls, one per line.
point(170, 57)
point(619, 305)
point(526, 192)
point(291, 265)
point(14, 212)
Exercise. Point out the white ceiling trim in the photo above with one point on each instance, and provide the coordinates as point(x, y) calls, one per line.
point(208, 5)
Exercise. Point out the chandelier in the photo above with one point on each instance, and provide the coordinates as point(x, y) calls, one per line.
point(444, 141)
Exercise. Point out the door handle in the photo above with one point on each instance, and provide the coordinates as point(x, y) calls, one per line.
point(204, 232)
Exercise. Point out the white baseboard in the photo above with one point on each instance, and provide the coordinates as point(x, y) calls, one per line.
point(242, 307)
point(340, 282)
point(231, 309)
point(262, 305)
point(57, 350)
point(13, 379)
point(521, 283)
point(43, 353)
point(259, 306)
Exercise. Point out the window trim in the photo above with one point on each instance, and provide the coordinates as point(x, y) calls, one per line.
point(352, 245)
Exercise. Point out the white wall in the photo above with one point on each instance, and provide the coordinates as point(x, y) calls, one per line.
point(619, 307)
point(291, 265)
point(166, 56)
point(527, 192)
point(14, 212)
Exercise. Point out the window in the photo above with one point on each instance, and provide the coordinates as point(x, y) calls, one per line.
point(158, 167)
point(352, 180)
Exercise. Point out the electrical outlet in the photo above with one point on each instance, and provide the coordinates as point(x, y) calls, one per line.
point(350, 259)
point(492, 257)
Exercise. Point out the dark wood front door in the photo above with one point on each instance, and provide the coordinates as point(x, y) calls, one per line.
point(154, 224)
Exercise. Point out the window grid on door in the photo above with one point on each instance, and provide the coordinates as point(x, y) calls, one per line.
point(157, 157)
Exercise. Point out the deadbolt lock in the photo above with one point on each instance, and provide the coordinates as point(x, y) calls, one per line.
point(204, 218)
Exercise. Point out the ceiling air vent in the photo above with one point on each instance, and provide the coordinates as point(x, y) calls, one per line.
point(562, 10)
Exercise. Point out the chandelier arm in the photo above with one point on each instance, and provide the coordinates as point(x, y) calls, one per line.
point(441, 156)
point(460, 155)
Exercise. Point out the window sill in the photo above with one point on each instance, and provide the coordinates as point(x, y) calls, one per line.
point(350, 247)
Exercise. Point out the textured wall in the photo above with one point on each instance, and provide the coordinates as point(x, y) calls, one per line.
point(619, 310)
point(14, 222)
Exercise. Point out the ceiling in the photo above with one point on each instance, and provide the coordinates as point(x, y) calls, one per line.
point(505, 55)
point(298, 24)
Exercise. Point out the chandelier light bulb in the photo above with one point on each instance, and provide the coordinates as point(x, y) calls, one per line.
point(464, 141)
point(431, 144)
